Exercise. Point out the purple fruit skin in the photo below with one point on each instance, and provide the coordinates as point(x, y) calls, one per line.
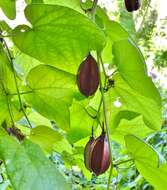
point(96, 155)
point(88, 76)
point(88, 152)
point(132, 5)
point(100, 158)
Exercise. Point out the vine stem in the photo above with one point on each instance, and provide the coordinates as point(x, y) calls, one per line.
point(8, 105)
point(16, 83)
point(116, 165)
point(109, 178)
point(105, 119)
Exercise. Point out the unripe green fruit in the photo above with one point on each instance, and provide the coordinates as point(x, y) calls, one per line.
point(88, 76)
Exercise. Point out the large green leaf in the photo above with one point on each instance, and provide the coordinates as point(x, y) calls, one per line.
point(59, 36)
point(9, 8)
point(27, 167)
point(131, 100)
point(49, 139)
point(80, 122)
point(52, 93)
point(147, 161)
point(45, 137)
point(135, 126)
point(25, 63)
point(132, 67)
point(112, 28)
point(73, 4)
point(114, 31)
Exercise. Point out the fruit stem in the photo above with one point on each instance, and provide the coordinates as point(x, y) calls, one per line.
point(105, 118)
point(93, 9)
point(16, 83)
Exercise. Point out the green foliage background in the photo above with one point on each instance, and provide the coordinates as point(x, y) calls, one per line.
point(45, 54)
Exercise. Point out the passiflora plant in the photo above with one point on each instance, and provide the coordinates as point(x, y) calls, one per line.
point(74, 81)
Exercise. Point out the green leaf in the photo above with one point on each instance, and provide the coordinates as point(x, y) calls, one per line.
point(27, 167)
point(36, 119)
point(132, 67)
point(45, 137)
point(9, 8)
point(52, 93)
point(147, 161)
point(131, 100)
point(80, 122)
point(134, 126)
point(73, 4)
point(113, 29)
point(59, 36)
point(49, 139)
point(25, 63)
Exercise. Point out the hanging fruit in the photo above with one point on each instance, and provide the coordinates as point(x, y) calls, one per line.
point(88, 76)
point(97, 156)
point(88, 152)
point(132, 5)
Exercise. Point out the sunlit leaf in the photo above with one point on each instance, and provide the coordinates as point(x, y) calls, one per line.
point(59, 36)
point(9, 8)
point(147, 162)
point(52, 93)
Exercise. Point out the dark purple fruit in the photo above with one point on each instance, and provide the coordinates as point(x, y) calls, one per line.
point(88, 152)
point(97, 156)
point(132, 5)
point(88, 76)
